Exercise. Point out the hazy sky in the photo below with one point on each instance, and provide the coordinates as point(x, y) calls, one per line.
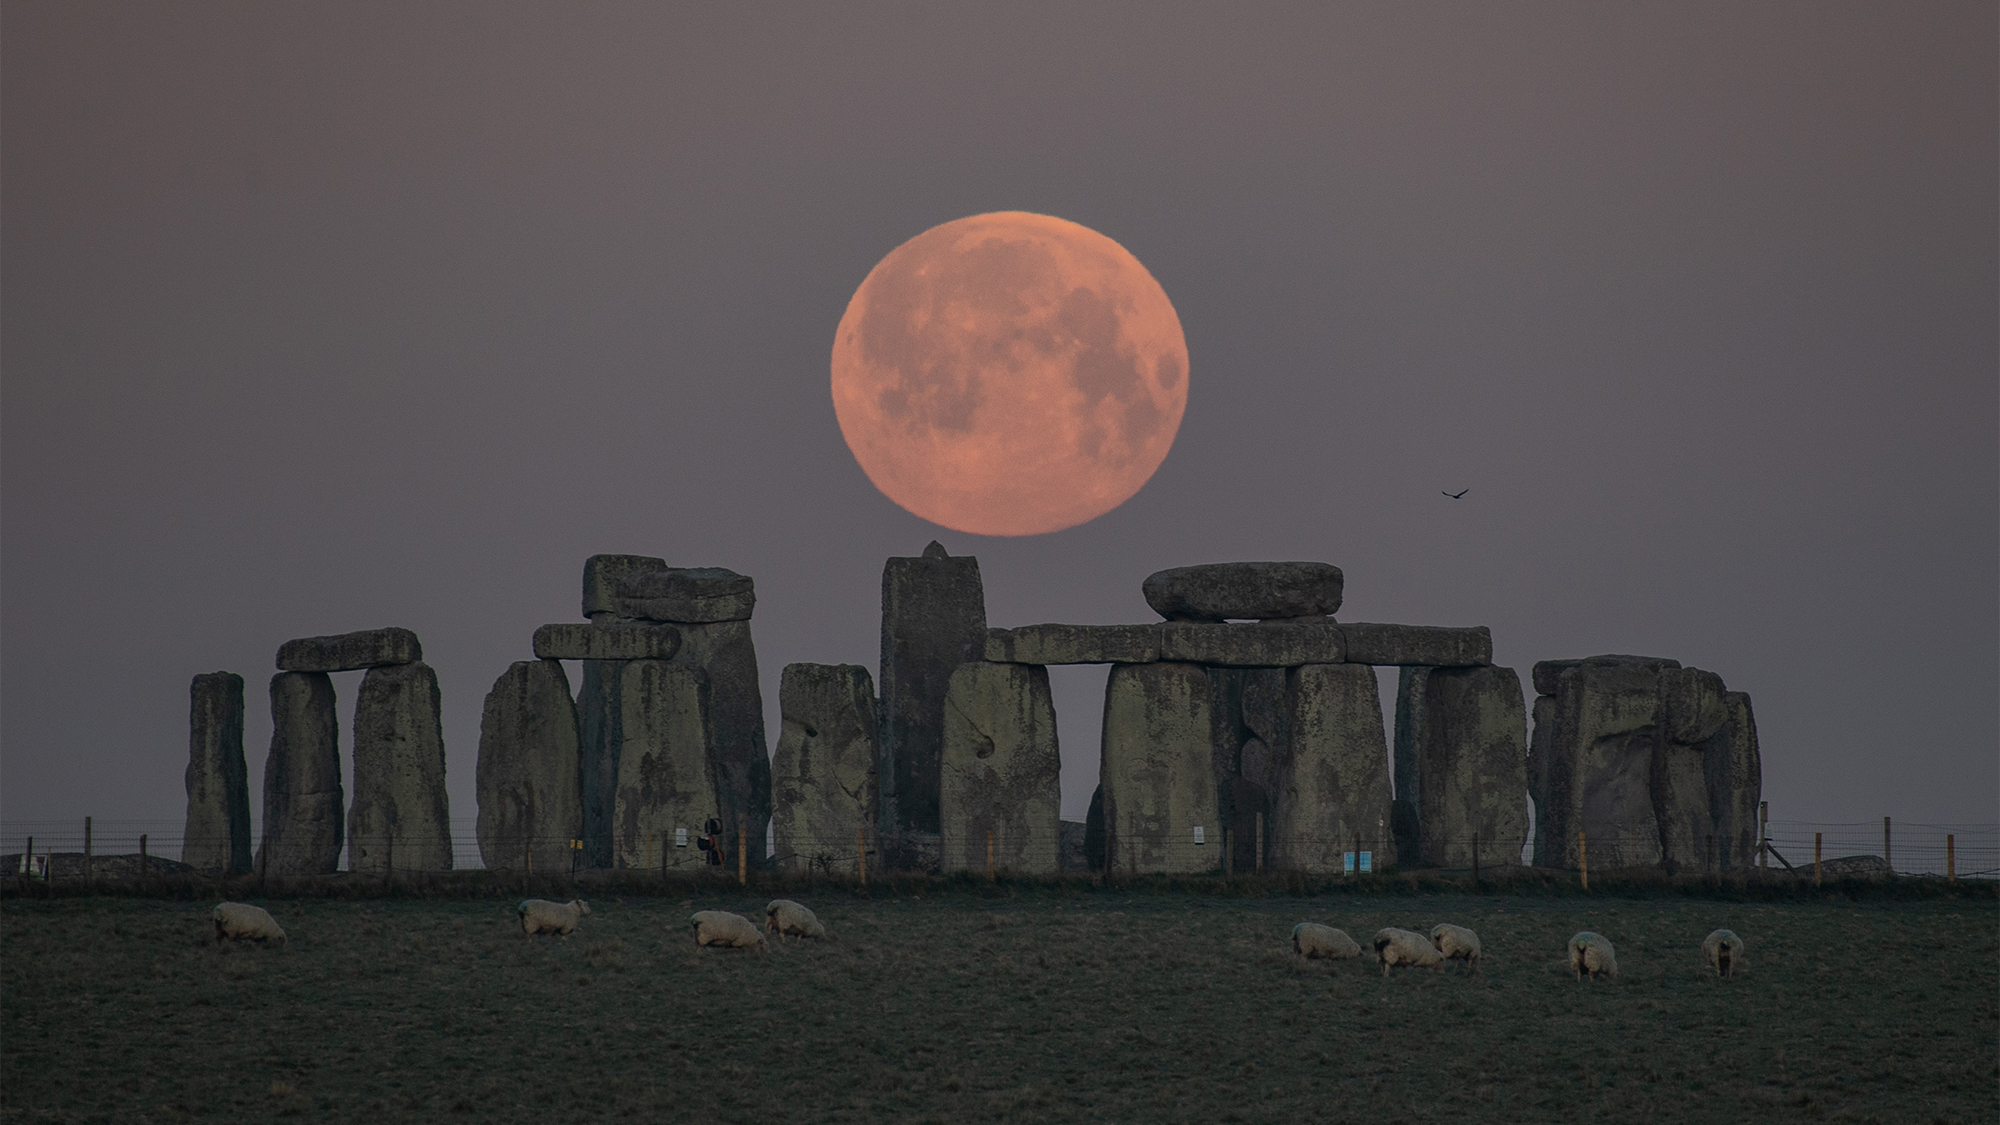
point(321, 317)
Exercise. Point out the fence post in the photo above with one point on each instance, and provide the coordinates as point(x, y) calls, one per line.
point(742, 857)
point(861, 853)
point(989, 855)
point(1357, 855)
point(389, 862)
point(1950, 858)
point(86, 853)
point(142, 859)
point(1228, 857)
point(1886, 860)
point(1816, 843)
point(28, 861)
point(1260, 843)
point(649, 850)
point(1764, 834)
point(263, 862)
point(1583, 858)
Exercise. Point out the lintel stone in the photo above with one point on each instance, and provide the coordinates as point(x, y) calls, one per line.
point(1074, 644)
point(1251, 646)
point(350, 652)
point(573, 641)
point(1425, 645)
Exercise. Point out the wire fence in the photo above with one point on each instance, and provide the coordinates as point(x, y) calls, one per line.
point(1963, 851)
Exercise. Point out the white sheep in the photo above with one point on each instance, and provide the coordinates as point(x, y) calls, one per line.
point(719, 927)
point(1591, 953)
point(1723, 951)
point(1456, 943)
point(1405, 947)
point(787, 918)
point(540, 916)
point(240, 921)
point(1311, 940)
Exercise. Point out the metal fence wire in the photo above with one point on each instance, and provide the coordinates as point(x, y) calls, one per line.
point(1965, 851)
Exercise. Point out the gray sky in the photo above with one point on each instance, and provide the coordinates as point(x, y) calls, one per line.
point(321, 317)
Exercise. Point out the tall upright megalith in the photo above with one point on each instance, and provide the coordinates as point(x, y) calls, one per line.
point(1000, 783)
point(1734, 770)
point(1334, 789)
point(304, 817)
point(1157, 776)
point(823, 782)
point(668, 787)
point(933, 620)
point(527, 774)
point(710, 608)
point(401, 818)
point(1461, 766)
point(217, 837)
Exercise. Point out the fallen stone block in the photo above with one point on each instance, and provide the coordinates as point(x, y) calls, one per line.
point(1161, 810)
point(216, 839)
point(569, 641)
point(823, 782)
point(933, 620)
point(304, 803)
point(529, 808)
point(1074, 644)
point(1244, 591)
point(1000, 772)
point(1333, 786)
point(640, 586)
point(401, 816)
point(350, 652)
point(1251, 645)
point(1417, 645)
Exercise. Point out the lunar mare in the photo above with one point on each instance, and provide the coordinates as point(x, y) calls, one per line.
point(1009, 374)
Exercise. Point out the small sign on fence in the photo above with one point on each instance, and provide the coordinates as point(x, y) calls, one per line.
point(1347, 862)
point(680, 837)
point(1198, 836)
point(34, 866)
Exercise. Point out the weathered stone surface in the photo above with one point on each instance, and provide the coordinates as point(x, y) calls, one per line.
point(401, 817)
point(1074, 856)
point(570, 641)
point(304, 817)
point(666, 768)
point(1423, 645)
point(1074, 644)
point(1000, 772)
point(600, 740)
point(1734, 772)
point(823, 775)
point(1157, 772)
point(933, 620)
point(1691, 703)
point(1093, 831)
point(1250, 645)
point(529, 809)
point(639, 586)
point(727, 656)
point(1244, 590)
point(1598, 774)
point(349, 652)
point(1547, 674)
point(1333, 786)
point(1247, 745)
point(1461, 767)
point(217, 836)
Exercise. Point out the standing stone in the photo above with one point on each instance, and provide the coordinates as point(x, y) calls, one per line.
point(1247, 716)
point(304, 824)
point(710, 608)
point(1000, 772)
point(401, 817)
point(1334, 786)
point(823, 774)
point(1597, 773)
point(1461, 766)
point(527, 781)
point(666, 769)
point(1157, 771)
point(1244, 590)
point(1541, 734)
point(933, 620)
point(217, 837)
point(1735, 774)
point(1691, 712)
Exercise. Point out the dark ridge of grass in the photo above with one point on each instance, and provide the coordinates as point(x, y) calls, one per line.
point(1518, 882)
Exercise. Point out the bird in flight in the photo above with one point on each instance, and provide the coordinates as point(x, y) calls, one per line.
point(1459, 493)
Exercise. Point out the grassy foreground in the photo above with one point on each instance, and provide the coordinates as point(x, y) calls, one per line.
point(1043, 1007)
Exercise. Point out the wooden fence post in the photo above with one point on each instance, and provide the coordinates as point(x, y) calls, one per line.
point(142, 859)
point(1260, 844)
point(649, 849)
point(1583, 858)
point(86, 853)
point(1357, 855)
point(1228, 856)
point(861, 853)
point(1816, 843)
point(742, 857)
point(28, 860)
point(1764, 834)
point(989, 855)
point(263, 863)
point(1950, 858)
point(1475, 857)
point(1886, 860)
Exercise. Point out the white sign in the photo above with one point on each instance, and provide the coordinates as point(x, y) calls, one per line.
point(1366, 861)
point(1347, 862)
point(36, 865)
point(680, 837)
point(1197, 835)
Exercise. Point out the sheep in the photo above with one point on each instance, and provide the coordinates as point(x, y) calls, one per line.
point(540, 916)
point(787, 918)
point(719, 927)
point(1591, 953)
point(1457, 944)
point(1723, 951)
point(240, 921)
point(1311, 940)
point(1404, 947)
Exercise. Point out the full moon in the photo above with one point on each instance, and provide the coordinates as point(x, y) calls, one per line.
point(1009, 374)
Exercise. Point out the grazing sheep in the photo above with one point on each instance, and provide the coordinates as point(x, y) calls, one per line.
point(1405, 947)
point(719, 927)
point(787, 918)
point(1590, 953)
point(240, 921)
point(1456, 943)
point(540, 916)
point(1723, 951)
point(1311, 940)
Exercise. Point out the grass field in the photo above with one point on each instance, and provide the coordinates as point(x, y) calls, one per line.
point(1047, 1006)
